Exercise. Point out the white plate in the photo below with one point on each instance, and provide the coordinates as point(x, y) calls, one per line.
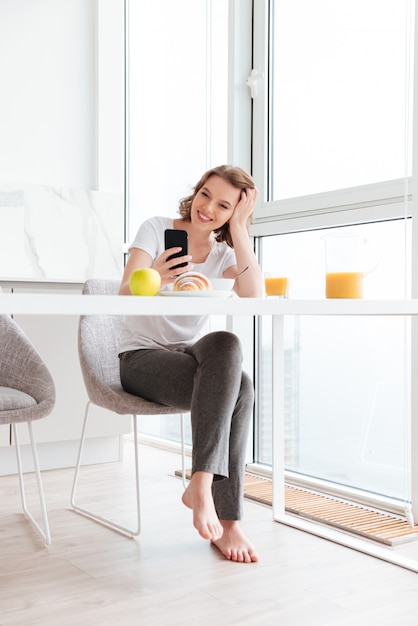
point(197, 294)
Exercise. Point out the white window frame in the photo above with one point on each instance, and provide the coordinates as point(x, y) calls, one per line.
point(240, 59)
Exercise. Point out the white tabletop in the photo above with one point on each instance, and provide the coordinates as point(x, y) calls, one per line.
point(76, 304)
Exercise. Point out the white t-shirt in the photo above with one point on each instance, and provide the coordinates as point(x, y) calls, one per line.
point(174, 332)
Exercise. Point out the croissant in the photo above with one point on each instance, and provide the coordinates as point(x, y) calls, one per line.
point(192, 281)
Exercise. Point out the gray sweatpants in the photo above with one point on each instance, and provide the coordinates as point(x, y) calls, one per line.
point(207, 380)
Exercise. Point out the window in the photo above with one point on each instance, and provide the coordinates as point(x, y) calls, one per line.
point(339, 95)
point(332, 149)
point(177, 101)
point(345, 377)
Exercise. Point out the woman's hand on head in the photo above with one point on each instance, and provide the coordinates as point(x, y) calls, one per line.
point(245, 207)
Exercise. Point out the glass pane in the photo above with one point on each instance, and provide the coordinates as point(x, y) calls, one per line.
point(345, 376)
point(166, 427)
point(339, 94)
point(177, 101)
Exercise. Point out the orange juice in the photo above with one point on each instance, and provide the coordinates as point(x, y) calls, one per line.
point(276, 286)
point(344, 285)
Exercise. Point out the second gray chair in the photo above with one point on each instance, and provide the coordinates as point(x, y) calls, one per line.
point(27, 393)
point(98, 345)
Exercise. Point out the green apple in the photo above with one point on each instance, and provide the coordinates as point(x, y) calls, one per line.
point(145, 282)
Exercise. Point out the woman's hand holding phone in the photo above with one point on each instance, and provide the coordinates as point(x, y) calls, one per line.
point(175, 242)
point(165, 266)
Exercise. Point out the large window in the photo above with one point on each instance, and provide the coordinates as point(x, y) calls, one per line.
point(332, 152)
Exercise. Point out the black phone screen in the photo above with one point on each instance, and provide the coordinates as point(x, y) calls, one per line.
point(173, 239)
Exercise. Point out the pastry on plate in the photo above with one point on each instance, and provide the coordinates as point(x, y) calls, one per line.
point(192, 281)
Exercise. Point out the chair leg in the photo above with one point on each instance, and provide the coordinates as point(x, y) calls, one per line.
point(98, 518)
point(183, 451)
point(45, 534)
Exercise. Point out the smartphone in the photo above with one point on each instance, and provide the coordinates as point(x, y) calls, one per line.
point(174, 239)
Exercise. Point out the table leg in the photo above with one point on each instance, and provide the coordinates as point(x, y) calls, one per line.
point(278, 417)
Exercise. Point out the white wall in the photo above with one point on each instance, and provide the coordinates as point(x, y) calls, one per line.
point(49, 84)
point(61, 138)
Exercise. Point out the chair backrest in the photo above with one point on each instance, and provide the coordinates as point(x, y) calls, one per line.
point(98, 344)
point(22, 369)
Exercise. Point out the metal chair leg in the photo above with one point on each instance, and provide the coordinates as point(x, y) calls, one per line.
point(98, 518)
point(183, 451)
point(45, 534)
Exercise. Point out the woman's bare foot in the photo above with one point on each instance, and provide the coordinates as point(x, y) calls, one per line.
point(234, 545)
point(198, 497)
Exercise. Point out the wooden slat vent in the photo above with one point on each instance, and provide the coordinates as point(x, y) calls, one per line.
point(347, 516)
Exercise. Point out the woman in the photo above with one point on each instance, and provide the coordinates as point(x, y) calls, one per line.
point(170, 360)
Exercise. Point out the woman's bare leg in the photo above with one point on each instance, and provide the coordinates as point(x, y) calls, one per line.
point(198, 497)
point(234, 545)
point(226, 535)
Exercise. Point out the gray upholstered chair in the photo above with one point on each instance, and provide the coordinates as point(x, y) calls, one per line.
point(27, 393)
point(98, 345)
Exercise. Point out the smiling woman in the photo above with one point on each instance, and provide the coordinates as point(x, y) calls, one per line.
point(175, 361)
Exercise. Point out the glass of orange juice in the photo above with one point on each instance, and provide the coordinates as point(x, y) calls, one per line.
point(276, 285)
point(346, 264)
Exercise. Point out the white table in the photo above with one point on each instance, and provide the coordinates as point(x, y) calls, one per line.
point(69, 304)
point(46, 304)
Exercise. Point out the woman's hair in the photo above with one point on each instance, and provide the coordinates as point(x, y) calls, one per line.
point(235, 176)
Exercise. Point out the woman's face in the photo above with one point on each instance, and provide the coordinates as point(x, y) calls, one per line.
point(214, 203)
